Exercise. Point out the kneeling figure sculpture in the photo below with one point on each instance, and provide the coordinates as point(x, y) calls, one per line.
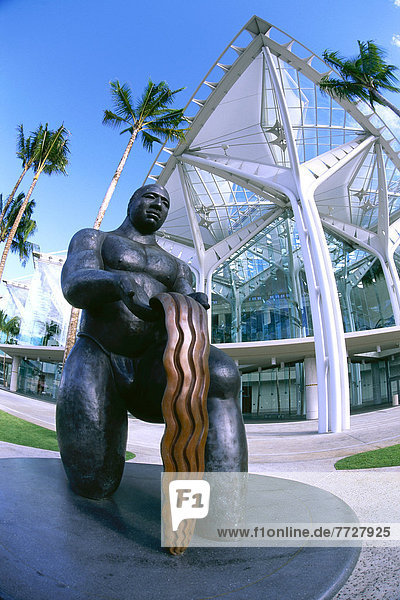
point(120, 279)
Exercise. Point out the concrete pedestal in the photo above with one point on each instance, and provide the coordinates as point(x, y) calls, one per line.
point(56, 545)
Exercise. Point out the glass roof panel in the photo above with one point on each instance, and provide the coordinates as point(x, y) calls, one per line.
point(222, 207)
point(363, 193)
point(318, 122)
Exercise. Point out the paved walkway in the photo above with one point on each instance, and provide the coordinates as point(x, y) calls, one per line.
point(293, 450)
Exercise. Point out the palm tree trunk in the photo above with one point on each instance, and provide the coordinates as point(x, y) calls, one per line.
point(114, 181)
point(71, 335)
point(75, 312)
point(15, 226)
point(386, 102)
point(11, 196)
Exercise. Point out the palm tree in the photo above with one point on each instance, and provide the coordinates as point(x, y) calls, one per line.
point(50, 157)
point(153, 118)
point(11, 327)
point(28, 150)
point(51, 330)
point(363, 76)
point(27, 226)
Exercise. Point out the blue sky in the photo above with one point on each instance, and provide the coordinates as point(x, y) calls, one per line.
point(58, 57)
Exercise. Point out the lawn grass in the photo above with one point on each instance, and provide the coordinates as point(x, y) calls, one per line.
point(17, 431)
point(383, 457)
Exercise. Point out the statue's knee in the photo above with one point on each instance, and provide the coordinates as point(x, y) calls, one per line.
point(224, 375)
point(95, 485)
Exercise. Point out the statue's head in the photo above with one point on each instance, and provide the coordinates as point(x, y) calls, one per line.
point(148, 208)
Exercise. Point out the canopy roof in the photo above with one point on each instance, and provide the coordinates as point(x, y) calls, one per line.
point(228, 177)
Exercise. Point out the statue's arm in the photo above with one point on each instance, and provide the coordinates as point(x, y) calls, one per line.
point(184, 285)
point(86, 284)
point(84, 281)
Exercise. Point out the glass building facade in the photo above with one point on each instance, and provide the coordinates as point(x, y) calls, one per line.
point(44, 316)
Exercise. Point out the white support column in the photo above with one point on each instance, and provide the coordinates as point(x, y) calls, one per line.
point(333, 385)
point(316, 311)
point(311, 388)
point(383, 204)
point(195, 230)
point(208, 292)
point(16, 361)
point(339, 393)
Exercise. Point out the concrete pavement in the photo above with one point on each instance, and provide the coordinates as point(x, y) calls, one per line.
point(289, 446)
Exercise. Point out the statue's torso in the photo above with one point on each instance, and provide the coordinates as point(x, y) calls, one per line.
point(113, 324)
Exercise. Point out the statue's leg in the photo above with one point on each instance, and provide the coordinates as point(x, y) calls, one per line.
point(91, 422)
point(226, 447)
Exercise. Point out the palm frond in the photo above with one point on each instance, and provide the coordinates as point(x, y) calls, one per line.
point(27, 147)
point(113, 120)
point(155, 100)
point(371, 57)
point(21, 144)
point(362, 75)
point(122, 100)
point(166, 134)
point(12, 326)
point(163, 98)
point(130, 129)
point(148, 140)
point(27, 226)
point(333, 59)
point(3, 320)
point(170, 131)
point(146, 99)
point(23, 249)
point(53, 157)
point(387, 79)
point(170, 119)
point(342, 89)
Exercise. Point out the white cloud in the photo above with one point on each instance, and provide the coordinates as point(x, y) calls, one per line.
point(397, 2)
point(396, 36)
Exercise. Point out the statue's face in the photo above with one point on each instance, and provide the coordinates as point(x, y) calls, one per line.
point(148, 208)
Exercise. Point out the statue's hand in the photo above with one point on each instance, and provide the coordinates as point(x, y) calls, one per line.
point(135, 299)
point(201, 299)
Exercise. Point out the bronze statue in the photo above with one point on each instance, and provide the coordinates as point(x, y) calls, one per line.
point(116, 364)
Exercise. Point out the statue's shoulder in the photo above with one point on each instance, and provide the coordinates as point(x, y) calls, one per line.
point(86, 239)
point(185, 271)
